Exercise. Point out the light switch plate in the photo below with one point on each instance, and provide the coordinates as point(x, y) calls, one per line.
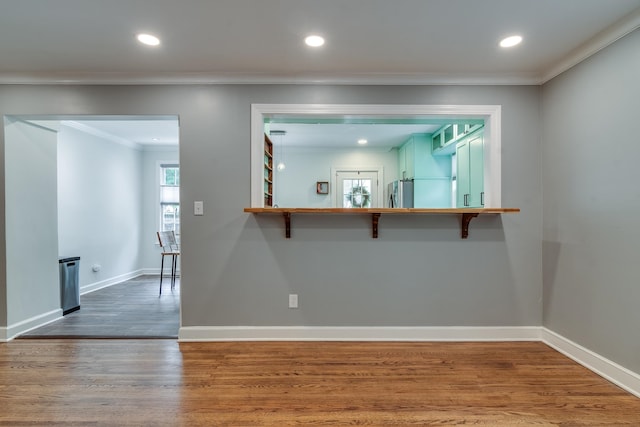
point(198, 207)
point(293, 300)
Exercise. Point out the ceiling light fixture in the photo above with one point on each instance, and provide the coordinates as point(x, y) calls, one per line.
point(362, 141)
point(281, 133)
point(314, 41)
point(148, 39)
point(511, 41)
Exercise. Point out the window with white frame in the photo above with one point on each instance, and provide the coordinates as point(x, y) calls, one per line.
point(170, 197)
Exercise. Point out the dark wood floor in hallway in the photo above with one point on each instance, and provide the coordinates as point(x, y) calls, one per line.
point(165, 383)
point(130, 309)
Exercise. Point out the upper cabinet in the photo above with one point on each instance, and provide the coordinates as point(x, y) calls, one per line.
point(415, 160)
point(402, 162)
point(443, 142)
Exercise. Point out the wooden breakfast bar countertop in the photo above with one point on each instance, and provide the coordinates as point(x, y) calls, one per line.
point(466, 214)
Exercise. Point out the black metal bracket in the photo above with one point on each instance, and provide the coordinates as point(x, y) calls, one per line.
point(375, 217)
point(464, 227)
point(465, 217)
point(287, 224)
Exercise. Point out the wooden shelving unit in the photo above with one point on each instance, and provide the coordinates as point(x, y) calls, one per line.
point(466, 214)
point(268, 171)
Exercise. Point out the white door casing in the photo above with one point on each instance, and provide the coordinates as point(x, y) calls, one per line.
point(491, 114)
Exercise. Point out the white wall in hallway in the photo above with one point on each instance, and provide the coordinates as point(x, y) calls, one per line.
point(99, 204)
point(30, 208)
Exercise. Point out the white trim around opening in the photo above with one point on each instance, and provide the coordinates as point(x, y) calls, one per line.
point(491, 114)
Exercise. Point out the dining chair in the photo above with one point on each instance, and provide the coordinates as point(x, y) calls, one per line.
point(169, 246)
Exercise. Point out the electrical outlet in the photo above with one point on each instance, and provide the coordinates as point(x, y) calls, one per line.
point(293, 300)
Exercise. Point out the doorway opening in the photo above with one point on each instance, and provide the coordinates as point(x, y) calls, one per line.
point(90, 187)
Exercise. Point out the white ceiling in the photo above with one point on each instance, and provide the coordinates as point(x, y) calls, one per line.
point(157, 132)
point(261, 41)
point(140, 131)
point(347, 135)
point(398, 42)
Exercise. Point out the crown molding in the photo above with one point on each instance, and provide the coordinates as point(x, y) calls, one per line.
point(610, 35)
point(397, 79)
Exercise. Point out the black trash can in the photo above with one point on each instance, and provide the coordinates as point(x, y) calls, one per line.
point(69, 287)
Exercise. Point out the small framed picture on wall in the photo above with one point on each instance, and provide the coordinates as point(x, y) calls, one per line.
point(322, 187)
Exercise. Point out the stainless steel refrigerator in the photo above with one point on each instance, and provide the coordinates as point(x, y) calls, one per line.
point(400, 194)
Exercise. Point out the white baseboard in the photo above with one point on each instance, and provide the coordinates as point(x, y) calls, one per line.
point(111, 281)
point(155, 271)
point(619, 375)
point(12, 331)
point(382, 333)
point(121, 278)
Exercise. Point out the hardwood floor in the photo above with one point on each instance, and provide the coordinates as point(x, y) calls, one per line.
point(130, 309)
point(163, 383)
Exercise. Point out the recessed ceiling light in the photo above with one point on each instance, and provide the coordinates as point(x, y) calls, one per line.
point(511, 41)
point(148, 39)
point(314, 41)
point(362, 141)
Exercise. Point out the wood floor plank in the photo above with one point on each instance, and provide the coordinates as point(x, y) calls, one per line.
point(161, 382)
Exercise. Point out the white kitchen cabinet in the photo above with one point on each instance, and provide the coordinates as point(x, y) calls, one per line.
point(402, 162)
point(470, 172)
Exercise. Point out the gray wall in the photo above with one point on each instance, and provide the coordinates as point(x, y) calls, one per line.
point(99, 204)
point(591, 197)
point(237, 269)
